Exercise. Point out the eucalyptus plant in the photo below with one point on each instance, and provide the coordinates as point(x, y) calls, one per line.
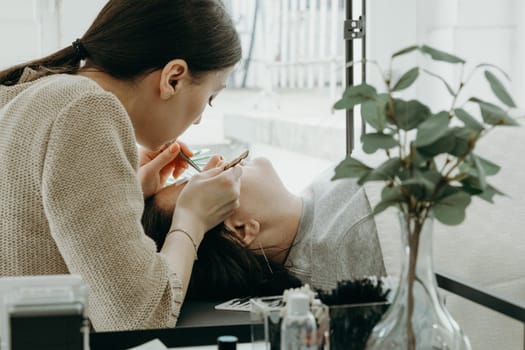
point(430, 166)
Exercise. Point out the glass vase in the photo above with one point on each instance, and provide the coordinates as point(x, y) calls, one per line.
point(417, 318)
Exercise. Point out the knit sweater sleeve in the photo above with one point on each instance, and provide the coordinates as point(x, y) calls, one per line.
point(93, 203)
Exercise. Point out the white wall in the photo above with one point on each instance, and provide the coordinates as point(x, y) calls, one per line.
point(391, 26)
point(31, 29)
point(17, 24)
point(76, 17)
point(518, 43)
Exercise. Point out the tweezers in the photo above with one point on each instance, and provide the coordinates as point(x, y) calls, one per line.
point(190, 162)
point(236, 160)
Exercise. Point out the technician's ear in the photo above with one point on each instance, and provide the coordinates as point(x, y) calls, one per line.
point(172, 78)
point(246, 231)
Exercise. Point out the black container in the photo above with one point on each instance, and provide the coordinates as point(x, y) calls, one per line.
point(227, 342)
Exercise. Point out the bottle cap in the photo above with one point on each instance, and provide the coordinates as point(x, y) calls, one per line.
point(227, 342)
point(298, 304)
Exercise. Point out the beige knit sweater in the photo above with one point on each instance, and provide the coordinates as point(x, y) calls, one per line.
point(70, 201)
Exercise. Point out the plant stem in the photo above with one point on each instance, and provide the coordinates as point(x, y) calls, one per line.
point(460, 87)
point(413, 240)
point(460, 160)
point(414, 235)
point(392, 116)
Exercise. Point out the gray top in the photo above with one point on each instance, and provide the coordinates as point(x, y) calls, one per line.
point(337, 237)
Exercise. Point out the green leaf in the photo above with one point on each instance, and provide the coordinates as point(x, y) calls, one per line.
point(446, 191)
point(456, 141)
point(494, 67)
point(373, 112)
point(489, 193)
point(419, 159)
point(419, 188)
point(463, 138)
point(362, 89)
point(432, 175)
point(451, 210)
point(432, 129)
point(390, 196)
point(439, 55)
point(405, 50)
point(348, 102)
point(472, 185)
point(489, 167)
point(407, 79)
point(449, 88)
point(442, 145)
point(390, 192)
point(493, 114)
point(403, 174)
point(355, 95)
point(481, 172)
point(479, 167)
point(469, 121)
point(468, 168)
point(374, 141)
point(385, 171)
point(422, 185)
point(350, 167)
point(499, 90)
point(409, 114)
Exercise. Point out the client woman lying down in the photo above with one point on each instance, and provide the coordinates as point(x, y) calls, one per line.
point(276, 239)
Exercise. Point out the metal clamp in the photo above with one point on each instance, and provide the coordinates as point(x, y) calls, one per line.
point(354, 29)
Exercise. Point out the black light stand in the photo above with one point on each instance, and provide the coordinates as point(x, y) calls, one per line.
point(353, 29)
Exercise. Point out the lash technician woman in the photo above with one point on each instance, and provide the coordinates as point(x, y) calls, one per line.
point(73, 182)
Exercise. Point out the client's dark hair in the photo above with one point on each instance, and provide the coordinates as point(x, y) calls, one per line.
point(225, 269)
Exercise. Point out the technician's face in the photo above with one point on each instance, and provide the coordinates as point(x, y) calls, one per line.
point(173, 116)
point(196, 96)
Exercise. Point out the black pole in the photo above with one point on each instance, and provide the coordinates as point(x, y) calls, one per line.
point(349, 56)
point(363, 56)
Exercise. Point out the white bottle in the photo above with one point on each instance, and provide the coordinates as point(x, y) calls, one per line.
point(298, 327)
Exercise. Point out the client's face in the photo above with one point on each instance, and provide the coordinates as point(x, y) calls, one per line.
point(261, 187)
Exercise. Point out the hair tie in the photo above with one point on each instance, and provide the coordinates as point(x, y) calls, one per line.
point(80, 51)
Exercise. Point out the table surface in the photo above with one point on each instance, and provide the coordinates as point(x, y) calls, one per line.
point(203, 314)
point(199, 324)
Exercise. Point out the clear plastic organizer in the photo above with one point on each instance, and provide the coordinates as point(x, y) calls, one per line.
point(267, 314)
point(339, 326)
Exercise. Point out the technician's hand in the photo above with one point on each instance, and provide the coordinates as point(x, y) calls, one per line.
point(215, 161)
point(208, 199)
point(156, 166)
